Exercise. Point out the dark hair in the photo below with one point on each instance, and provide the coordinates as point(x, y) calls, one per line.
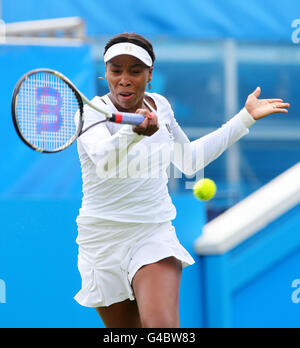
point(132, 38)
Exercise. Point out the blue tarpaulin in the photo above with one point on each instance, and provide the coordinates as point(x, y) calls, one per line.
point(245, 20)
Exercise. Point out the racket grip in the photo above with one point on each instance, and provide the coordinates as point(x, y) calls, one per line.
point(127, 118)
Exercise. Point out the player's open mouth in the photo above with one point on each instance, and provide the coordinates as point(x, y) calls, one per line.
point(125, 96)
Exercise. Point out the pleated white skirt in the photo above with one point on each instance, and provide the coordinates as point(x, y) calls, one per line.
point(110, 253)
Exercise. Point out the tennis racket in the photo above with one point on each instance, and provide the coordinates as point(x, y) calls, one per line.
point(44, 105)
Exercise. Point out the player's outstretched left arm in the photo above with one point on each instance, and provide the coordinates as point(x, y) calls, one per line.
point(260, 108)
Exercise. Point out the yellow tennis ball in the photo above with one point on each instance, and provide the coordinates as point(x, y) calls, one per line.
point(205, 189)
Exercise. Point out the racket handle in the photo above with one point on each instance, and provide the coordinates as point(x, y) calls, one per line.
point(127, 118)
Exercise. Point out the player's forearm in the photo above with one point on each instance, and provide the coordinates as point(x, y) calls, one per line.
point(189, 157)
point(220, 140)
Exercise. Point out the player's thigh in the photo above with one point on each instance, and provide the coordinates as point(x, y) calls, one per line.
point(120, 315)
point(156, 287)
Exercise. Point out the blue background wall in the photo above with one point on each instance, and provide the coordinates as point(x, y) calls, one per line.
point(209, 19)
point(40, 194)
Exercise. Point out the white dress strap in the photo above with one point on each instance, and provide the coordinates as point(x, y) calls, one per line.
point(107, 100)
point(149, 106)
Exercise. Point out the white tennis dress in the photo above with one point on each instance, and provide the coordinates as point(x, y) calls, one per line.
point(126, 213)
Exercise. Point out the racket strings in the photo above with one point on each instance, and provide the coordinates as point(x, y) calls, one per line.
point(45, 112)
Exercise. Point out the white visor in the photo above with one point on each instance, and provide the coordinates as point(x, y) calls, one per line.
point(130, 49)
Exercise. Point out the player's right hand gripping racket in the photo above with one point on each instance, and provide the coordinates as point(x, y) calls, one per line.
point(44, 105)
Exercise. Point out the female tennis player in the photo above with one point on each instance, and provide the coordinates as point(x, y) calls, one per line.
point(130, 259)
